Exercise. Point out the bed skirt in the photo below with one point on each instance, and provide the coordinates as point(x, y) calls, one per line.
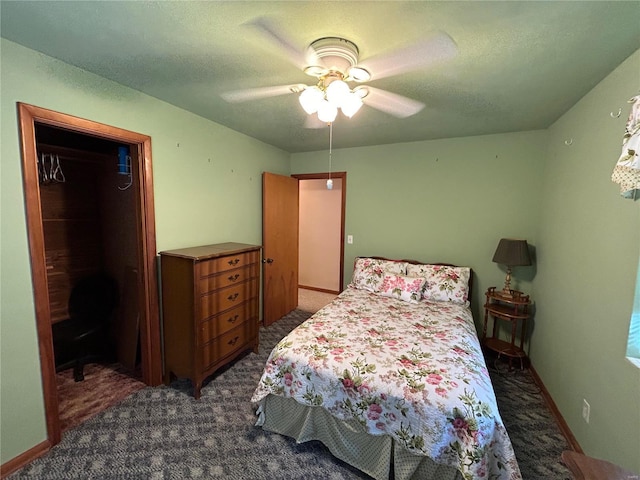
point(348, 441)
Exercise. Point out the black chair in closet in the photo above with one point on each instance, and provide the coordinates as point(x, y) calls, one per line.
point(85, 336)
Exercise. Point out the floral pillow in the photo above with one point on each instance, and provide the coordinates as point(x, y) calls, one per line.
point(368, 273)
point(401, 287)
point(443, 283)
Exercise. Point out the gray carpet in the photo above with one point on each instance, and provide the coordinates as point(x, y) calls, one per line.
point(163, 433)
point(534, 433)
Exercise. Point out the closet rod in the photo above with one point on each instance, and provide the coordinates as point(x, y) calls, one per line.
point(75, 154)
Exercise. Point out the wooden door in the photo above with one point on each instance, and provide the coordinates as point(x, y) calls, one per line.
point(280, 243)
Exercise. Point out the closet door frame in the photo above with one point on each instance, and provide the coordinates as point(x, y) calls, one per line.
point(142, 177)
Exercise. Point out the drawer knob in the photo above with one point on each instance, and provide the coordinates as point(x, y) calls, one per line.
point(233, 319)
point(233, 342)
point(233, 278)
point(234, 261)
point(232, 297)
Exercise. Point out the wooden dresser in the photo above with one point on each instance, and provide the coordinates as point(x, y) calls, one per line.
point(210, 301)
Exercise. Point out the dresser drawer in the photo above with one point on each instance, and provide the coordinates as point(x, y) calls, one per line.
point(228, 343)
point(220, 324)
point(230, 277)
point(217, 265)
point(229, 297)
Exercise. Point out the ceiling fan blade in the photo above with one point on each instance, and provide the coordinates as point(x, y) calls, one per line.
point(299, 57)
point(392, 103)
point(237, 96)
point(435, 49)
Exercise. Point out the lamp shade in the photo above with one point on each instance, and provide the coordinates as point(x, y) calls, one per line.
point(512, 252)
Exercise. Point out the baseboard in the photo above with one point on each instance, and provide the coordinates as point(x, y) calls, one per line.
point(316, 289)
point(564, 428)
point(23, 459)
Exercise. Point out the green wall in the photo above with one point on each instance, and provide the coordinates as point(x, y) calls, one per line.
point(442, 200)
point(588, 246)
point(207, 187)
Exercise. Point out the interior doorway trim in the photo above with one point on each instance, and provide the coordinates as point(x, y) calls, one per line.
point(323, 176)
point(142, 176)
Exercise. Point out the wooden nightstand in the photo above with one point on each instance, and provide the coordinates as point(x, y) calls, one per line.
point(513, 309)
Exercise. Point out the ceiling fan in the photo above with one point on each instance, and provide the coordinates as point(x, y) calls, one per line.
point(334, 62)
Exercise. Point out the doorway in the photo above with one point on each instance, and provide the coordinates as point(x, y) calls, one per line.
point(327, 284)
point(87, 213)
point(320, 236)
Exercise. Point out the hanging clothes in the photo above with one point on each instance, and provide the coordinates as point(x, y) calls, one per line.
point(626, 173)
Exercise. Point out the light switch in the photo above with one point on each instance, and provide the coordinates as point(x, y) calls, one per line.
point(349, 239)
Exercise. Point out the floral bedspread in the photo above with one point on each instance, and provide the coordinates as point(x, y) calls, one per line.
point(411, 371)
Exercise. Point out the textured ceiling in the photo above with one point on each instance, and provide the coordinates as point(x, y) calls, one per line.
point(520, 65)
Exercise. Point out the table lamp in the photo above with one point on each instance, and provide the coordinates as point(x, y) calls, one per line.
point(512, 253)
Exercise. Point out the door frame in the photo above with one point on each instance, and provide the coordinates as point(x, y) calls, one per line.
point(323, 176)
point(142, 177)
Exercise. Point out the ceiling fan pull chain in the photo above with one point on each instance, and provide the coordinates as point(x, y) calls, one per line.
point(330, 145)
point(329, 181)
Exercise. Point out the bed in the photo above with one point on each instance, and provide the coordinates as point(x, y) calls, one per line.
point(391, 378)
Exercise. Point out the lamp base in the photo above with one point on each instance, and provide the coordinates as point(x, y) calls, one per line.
point(505, 292)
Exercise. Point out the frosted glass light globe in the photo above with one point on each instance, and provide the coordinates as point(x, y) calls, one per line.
point(310, 99)
point(351, 105)
point(337, 92)
point(327, 112)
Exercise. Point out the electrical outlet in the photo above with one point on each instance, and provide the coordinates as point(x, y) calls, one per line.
point(586, 410)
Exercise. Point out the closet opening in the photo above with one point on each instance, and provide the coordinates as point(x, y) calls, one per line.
point(88, 220)
point(89, 206)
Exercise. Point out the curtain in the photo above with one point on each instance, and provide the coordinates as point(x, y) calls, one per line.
point(626, 173)
point(633, 344)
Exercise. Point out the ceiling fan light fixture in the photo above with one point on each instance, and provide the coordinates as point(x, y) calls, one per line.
point(338, 92)
point(351, 104)
point(333, 61)
point(310, 99)
point(327, 112)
